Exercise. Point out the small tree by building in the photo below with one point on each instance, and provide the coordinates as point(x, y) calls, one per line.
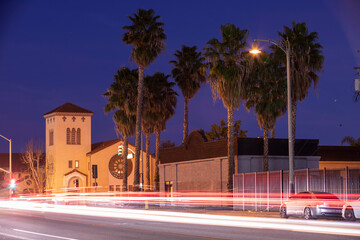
point(218, 132)
point(33, 157)
point(351, 141)
point(167, 144)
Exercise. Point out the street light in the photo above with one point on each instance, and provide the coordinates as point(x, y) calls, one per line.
point(285, 47)
point(10, 171)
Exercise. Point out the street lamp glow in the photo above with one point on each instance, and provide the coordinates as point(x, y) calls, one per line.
point(255, 51)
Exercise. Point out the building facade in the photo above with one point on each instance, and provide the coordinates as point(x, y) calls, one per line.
point(201, 165)
point(70, 156)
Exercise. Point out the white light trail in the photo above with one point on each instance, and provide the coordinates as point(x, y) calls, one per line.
point(325, 227)
point(42, 234)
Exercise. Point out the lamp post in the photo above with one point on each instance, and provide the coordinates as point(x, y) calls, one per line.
point(10, 170)
point(285, 47)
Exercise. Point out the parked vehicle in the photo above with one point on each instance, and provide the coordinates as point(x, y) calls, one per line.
point(351, 210)
point(312, 205)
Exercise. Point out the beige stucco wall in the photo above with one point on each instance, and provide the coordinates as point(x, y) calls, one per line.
point(338, 165)
point(60, 152)
point(199, 175)
point(105, 179)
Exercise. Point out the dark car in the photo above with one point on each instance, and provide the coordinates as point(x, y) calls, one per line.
point(312, 205)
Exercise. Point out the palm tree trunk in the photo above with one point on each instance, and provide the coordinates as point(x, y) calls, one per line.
point(272, 132)
point(157, 177)
point(125, 151)
point(147, 185)
point(266, 149)
point(138, 130)
point(231, 169)
point(186, 119)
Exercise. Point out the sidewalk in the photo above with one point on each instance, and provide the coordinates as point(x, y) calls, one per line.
point(218, 211)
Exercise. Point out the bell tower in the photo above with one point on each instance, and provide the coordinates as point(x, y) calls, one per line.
point(68, 140)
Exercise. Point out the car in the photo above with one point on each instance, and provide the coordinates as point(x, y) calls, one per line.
point(351, 210)
point(312, 205)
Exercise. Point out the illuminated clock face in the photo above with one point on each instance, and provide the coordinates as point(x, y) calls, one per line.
point(116, 167)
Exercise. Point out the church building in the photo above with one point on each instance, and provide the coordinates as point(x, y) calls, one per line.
point(73, 163)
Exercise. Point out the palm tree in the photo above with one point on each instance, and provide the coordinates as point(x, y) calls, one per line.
point(267, 95)
point(306, 60)
point(188, 72)
point(149, 117)
point(352, 141)
point(228, 70)
point(147, 37)
point(122, 96)
point(165, 98)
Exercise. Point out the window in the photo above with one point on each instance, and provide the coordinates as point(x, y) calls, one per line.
point(76, 163)
point(78, 135)
point(70, 164)
point(51, 137)
point(118, 188)
point(73, 133)
point(111, 188)
point(51, 168)
point(68, 136)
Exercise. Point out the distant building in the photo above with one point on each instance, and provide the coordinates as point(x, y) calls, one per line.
point(24, 182)
point(199, 165)
point(339, 157)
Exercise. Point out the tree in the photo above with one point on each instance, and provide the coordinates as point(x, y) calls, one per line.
point(33, 157)
point(218, 132)
point(147, 37)
point(228, 70)
point(167, 144)
point(266, 93)
point(306, 60)
point(149, 117)
point(165, 98)
point(188, 72)
point(352, 141)
point(122, 97)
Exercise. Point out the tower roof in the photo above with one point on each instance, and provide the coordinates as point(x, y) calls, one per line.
point(69, 108)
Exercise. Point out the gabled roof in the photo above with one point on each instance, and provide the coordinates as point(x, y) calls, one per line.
point(69, 108)
point(96, 147)
point(75, 170)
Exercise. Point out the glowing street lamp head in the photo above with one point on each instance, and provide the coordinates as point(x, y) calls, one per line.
point(255, 51)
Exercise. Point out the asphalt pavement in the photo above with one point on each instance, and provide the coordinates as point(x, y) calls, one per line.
point(87, 223)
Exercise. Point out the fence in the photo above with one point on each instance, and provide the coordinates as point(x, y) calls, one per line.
point(265, 191)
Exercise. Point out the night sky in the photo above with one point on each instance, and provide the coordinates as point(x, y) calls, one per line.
point(53, 52)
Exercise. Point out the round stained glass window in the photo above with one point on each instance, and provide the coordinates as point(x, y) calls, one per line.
point(116, 166)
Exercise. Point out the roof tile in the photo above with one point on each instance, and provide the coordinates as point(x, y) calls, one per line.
point(69, 108)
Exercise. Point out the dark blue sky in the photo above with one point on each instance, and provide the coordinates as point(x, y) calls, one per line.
point(53, 52)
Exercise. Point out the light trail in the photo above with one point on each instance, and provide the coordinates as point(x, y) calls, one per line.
point(43, 234)
point(324, 227)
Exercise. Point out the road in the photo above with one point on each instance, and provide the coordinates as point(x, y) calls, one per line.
point(39, 221)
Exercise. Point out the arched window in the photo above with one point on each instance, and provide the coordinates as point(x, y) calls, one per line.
point(68, 136)
point(73, 133)
point(78, 136)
